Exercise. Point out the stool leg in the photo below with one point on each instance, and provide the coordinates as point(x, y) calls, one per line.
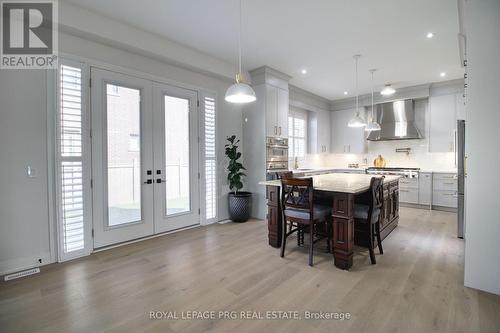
point(370, 244)
point(283, 238)
point(379, 241)
point(311, 244)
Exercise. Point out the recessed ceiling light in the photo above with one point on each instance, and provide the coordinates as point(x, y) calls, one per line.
point(430, 35)
point(442, 74)
point(345, 92)
point(304, 71)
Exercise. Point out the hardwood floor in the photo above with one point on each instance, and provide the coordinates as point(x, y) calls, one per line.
point(416, 286)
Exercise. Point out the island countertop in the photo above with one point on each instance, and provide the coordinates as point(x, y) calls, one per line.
point(339, 182)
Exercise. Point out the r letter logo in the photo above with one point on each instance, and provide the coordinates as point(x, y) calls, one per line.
point(29, 34)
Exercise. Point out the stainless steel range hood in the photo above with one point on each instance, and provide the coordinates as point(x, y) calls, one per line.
point(397, 121)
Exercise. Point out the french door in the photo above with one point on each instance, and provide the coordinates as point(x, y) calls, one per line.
point(175, 136)
point(144, 157)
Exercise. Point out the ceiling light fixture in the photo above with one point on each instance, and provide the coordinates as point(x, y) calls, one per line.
point(304, 71)
point(357, 120)
point(442, 74)
point(372, 125)
point(240, 92)
point(388, 90)
point(430, 35)
point(345, 92)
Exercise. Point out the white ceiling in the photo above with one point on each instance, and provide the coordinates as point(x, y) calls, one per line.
point(320, 36)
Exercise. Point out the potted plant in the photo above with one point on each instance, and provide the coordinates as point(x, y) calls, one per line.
point(239, 202)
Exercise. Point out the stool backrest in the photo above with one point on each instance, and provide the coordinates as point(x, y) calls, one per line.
point(284, 175)
point(297, 193)
point(376, 187)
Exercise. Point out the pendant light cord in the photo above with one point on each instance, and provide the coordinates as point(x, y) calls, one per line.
point(373, 114)
point(356, 57)
point(239, 40)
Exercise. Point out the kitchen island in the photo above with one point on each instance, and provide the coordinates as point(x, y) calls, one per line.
point(340, 190)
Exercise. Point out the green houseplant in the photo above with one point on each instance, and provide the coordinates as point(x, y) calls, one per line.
point(239, 202)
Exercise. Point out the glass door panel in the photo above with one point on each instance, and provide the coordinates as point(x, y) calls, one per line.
point(177, 185)
point(123, 154)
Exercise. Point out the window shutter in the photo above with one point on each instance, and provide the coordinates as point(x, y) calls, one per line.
point(70, 160)
point(210, 159)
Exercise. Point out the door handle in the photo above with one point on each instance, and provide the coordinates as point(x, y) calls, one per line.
point(148, 181)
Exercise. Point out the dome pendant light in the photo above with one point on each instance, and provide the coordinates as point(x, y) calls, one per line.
point(357, 120)
point(240, 92)
point(372, 125)
point(388, 90)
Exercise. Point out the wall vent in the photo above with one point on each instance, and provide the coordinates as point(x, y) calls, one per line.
point(22, 274)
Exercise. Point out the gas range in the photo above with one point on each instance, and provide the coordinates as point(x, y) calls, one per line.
point(405, 172)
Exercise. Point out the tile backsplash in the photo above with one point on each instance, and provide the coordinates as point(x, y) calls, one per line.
point(419, 156)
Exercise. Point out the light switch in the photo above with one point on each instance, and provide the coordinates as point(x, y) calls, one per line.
point(31, 172)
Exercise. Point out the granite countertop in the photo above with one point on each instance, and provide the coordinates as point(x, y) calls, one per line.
point(338, 182)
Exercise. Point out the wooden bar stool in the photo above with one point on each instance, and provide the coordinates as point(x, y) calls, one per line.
point(299, 210)
point(367, 216)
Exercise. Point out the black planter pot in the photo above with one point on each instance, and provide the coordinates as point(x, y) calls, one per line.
point(240, 206)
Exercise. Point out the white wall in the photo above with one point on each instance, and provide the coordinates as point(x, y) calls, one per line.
point(482, 245)
point(24, 227)
point(24, 221)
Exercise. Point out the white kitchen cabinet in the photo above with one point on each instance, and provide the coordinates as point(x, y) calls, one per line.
point(444, 190)
point(277, 104)
point(319, 132)
point(282, 112)
point(443, 116)
point(425, 188)
point(346, 139)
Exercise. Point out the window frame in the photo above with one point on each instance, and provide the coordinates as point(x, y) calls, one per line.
point(297, 114)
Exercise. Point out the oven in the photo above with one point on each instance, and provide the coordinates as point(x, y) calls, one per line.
point(276, 154)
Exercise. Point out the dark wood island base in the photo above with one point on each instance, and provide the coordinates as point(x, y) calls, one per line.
point(344, 229)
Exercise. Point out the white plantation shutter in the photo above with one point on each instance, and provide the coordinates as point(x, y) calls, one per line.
point(297, 134)
point(70, 163)
point(210, 156)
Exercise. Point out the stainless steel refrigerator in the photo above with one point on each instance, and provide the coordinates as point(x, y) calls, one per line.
point(460, 151)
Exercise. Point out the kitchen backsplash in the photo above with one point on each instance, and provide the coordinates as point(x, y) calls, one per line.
point(419, 156)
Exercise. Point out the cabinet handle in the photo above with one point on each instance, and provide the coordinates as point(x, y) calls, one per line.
point(448, 183)
point(280, 130)
point(275, 130)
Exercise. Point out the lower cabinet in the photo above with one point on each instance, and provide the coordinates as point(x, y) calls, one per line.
point(408, 190)
point(445, 190)
point(425, 188)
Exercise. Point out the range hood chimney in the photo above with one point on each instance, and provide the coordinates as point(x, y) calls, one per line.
point(397, 121)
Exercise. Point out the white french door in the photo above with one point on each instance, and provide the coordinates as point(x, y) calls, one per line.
point(122, 157)
point(144, 157)
point(176, 185)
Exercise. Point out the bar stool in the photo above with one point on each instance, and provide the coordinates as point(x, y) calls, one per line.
point(299, 210)
point(367, 216)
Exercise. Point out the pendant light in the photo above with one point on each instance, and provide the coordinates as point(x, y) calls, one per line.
point(388, 90)
point(240, 92)
point(372, 125)
point(357, 120)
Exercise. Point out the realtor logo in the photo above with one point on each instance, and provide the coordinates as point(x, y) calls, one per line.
point(29, 34)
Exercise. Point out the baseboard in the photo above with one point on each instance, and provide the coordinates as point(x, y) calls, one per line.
point(428, 207)
point(19, 264)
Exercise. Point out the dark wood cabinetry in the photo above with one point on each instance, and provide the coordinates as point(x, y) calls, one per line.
point(389, 218)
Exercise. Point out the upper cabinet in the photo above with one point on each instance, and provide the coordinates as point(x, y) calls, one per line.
point(444, 110)
point(345, 139)
point(319, 133)
point(271, 86)
point(277, 104)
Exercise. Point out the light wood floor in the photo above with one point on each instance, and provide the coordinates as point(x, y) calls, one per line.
point(416, 286)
